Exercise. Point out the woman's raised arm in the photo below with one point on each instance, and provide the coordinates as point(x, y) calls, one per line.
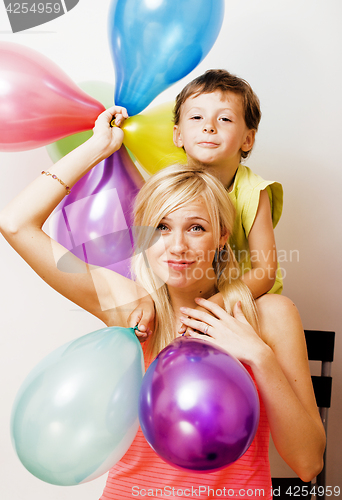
point(95, 290)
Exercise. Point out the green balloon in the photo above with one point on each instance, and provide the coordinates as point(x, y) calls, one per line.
point(101, 91)
point(76, 413)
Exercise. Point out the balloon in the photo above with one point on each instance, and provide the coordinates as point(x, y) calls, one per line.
point(93, 221)
point(100, 91)
point(149, 137)
point(199, 408)
point(155, 43)
point(39, 103)
point(76, 413)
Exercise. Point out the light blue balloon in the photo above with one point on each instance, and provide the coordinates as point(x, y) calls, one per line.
point(76, 413)
point(155, 43)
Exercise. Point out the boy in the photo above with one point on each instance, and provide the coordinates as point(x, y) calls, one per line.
point(216, 117)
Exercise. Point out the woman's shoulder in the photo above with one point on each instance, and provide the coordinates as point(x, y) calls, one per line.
point(279, 320)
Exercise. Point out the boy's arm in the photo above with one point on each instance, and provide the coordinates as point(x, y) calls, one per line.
point(261, 277)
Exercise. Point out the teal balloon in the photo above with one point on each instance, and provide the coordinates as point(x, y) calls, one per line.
point(155, 43)
point(76, 413)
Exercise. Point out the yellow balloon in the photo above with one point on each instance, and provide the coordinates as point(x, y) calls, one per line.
point(149, 137)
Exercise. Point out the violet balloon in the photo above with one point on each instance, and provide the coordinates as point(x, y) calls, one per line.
point(199, 408)
point(93, 221)
point(39, 103)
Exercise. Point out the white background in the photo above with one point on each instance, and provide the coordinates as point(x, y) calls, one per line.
point(290, 52)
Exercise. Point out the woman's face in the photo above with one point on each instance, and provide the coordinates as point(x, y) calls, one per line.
point(184, 251)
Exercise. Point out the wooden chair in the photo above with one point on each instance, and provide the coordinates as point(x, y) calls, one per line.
point(320, 347)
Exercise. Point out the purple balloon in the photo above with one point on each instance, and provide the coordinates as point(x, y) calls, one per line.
point(94, 221)
point(199, 408)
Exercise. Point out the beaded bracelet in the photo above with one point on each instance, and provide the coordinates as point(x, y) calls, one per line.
point(57, 179)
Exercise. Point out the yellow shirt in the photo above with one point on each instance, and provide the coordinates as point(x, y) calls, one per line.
point(245, 196)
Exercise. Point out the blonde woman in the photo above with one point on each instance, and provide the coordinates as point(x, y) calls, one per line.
point(183, 218)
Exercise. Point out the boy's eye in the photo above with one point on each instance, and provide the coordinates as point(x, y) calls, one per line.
point(225, 119)
point(196, 117)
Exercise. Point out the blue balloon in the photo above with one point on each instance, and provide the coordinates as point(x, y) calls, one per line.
point(155, 43)
point(76, 413)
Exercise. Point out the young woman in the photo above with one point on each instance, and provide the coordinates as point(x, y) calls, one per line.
point(182, 262)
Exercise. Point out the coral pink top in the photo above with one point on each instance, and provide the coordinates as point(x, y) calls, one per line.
point(141, 473)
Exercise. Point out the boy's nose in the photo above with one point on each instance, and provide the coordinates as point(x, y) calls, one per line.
point(209, 128)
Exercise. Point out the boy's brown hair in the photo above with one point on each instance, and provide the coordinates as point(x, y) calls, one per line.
point(220, 79)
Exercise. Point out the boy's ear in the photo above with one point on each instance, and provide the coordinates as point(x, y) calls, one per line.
point(249, 140)
point(224, 238)
point(177, 137)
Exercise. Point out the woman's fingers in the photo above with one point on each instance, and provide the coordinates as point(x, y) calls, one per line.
point(197, 314)
point(214, 308)
point(113, 115)
point(118, 109)
point(194, 334)
point(119, 115)
point(238, 313)
point(200, 326)
point(141, 320)
point(182, 329)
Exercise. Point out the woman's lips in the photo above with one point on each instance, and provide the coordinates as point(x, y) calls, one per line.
point(180, 264)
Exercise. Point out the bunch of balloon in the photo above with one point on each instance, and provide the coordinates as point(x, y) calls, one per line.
point(179, 34)
point(39, 103)
point(76, 414)
point(199, 408)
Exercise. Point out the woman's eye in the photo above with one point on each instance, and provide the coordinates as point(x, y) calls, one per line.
point(162, 227)
point(196, 229)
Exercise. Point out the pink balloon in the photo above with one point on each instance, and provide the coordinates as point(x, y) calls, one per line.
point(39, 103)
point(94, 221)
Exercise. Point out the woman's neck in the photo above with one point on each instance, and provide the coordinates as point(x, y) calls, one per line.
point(186, 298)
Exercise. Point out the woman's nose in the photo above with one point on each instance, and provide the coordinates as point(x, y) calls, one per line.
point(178, 243)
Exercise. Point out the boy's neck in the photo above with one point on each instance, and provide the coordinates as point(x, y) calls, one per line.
point(225, 176)
point(225, 173)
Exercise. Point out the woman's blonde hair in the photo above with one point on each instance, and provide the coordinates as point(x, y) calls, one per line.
point(172, 188)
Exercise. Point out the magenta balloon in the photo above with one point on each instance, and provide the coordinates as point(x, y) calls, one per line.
point(39, 103)
point(199, 408)
point(94, 221)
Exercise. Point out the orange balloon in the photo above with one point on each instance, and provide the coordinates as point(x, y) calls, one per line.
point(149, 136)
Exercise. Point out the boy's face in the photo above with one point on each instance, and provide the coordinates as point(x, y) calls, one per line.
point(212, 129)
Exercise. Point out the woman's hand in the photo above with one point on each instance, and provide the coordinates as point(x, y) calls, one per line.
point(216, 299)
point(143, 317)
point(110, 137)
point(232, 333)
